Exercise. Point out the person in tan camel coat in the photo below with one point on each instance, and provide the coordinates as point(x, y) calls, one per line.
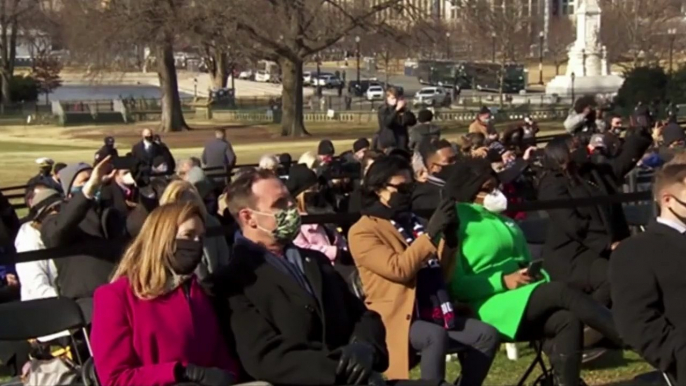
point(401, 265)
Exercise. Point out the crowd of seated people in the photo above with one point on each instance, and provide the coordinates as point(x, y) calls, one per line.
point(198, 281)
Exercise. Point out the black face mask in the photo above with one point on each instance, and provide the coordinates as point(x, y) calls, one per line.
point(149, 139)
point(444, 174)
point(400, 202)
point(187, 256)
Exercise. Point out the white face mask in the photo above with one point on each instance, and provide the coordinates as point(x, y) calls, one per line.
point(495, 202)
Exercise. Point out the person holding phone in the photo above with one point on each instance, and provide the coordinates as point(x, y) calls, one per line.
point(401, 263)
point(393, 121)
point(495, 276)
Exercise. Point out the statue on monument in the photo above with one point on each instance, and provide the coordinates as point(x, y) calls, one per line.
point(587, 58)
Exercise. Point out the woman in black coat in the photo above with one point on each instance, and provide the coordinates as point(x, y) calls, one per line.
point(580, 239)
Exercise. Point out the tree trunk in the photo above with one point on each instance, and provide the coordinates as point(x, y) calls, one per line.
point(292, 121)
point(387, 59)
point(557, 68)
point(172, 115)
point(220, 73)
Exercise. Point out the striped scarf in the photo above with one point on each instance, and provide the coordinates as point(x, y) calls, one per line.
point(432, 302)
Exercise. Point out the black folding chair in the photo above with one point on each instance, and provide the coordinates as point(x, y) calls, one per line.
point(669, 380)
point(546, 372)
point(36, 318)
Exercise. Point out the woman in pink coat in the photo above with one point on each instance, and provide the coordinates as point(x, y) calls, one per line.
point(153, 324)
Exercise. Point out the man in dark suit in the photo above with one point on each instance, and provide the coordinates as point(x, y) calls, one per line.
point(292, 317)
point(146, 150)
point(648, 280)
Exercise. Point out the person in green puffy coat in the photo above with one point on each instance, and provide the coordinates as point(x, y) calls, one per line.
point(491, 275)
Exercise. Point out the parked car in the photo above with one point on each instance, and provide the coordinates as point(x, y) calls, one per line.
point(328, 81)
point(307, 78)
point(246, 75)
point(431, 96)
point(375, 93)
point(263, 76)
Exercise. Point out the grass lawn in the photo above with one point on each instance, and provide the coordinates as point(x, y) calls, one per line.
point(14, 147)
point(613, 369)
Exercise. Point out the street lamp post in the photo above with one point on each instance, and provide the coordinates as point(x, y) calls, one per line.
point(493, 41)
point(357, 51)
point(447, 45)
point(319, 86)
point(195, 87)
point(540, 58)
point(672, 38)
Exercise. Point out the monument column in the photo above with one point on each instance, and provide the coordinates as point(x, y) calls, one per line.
point(587, 60)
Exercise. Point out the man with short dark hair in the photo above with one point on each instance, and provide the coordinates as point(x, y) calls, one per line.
point(437, 157)
point(292, 317)
point(647, 280)
point(425, 130)
point(582, 118)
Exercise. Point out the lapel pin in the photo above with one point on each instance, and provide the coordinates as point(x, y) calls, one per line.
point(307, 259)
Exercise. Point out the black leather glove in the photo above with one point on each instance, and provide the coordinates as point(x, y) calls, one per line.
point(356, 363)
point(444, 216)
point(207, 376)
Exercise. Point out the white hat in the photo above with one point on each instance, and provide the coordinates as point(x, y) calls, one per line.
point(44, 161)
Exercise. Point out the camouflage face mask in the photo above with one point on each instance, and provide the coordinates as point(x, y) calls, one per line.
point(287, 224)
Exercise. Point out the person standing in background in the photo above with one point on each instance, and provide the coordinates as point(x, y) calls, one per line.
point(107, 149)
point(146, 150)
point(484, 124)
point(392, 122)
point(219, 153)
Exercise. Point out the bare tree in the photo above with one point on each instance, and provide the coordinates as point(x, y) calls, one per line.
point(634, 30)
point(560, 36)
point(501, 31)
point(11, 12)
point(46, 72)
point(110, 33)
point(295, 31)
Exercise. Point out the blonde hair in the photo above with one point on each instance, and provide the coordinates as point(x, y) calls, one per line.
point(146, 262)
point(183, 191)
point(268, 162)
point(308, 159)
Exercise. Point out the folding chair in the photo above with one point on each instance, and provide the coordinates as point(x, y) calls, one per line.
point(35, 318)
point(88, 375)
point(538, 361)
point(669, 380)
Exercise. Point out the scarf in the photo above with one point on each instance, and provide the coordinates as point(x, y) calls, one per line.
point(432, 303)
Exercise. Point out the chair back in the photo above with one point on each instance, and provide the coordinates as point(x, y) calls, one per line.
point(34, 318)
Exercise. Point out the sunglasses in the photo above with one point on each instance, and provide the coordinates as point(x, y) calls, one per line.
point(403, 188)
